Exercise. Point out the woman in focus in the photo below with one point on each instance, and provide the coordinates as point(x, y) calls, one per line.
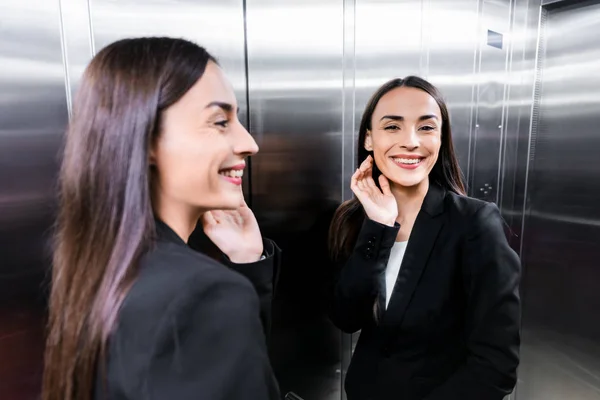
point(425, 272)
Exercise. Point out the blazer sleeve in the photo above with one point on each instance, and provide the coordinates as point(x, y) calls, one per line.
point(492, 272)
point(264, 275)
point(209, 346)
point(358, 282)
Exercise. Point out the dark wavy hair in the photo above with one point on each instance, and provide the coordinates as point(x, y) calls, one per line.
point(446, 172)
point(105, 219)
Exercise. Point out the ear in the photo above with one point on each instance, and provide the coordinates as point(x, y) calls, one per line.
point(368, 141)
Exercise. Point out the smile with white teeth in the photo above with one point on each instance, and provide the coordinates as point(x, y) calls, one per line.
point(232, 173)
point(407, 160)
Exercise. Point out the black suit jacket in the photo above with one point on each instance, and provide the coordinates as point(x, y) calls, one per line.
point(451, 330)
point(190, 328)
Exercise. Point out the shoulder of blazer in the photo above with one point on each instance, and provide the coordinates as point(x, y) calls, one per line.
point(171, 272)
point(468, 215)
point(464, 207)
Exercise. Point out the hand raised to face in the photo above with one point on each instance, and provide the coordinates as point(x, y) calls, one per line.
point(235, 233)
point(379, 204)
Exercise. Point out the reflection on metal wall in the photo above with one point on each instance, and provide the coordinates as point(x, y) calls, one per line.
point(33, 115)
point(295, 80)
point(561, 353)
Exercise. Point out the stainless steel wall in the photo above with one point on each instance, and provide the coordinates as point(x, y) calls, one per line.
point(295, 79)
point(33, 114)
point(486, 143)
point(303, 71)
point(218, 26)
point(561, 352)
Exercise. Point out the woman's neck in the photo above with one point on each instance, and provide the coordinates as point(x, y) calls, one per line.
point(178, 217)
point(409, 201)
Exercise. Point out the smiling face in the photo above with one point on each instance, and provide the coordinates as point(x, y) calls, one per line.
point(405, 136)
point(199, 156)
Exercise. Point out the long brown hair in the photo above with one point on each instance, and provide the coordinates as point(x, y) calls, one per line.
point(446, 173)
point(105, 220)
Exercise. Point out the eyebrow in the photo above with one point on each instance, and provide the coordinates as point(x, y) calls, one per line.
point(401, 118)
point(224, 106)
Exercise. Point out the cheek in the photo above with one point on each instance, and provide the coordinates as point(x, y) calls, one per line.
point(381, 146)
point(187, 164)
point(433, 146)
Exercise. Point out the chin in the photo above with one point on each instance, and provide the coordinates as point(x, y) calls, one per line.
point(408, 181)
point(232, 201)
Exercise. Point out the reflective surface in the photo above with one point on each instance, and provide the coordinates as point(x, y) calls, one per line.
point(33, 116)
point(78, 42)
point(295, 78)
point(518, 110)
point(216, 25)
point(488, 132)
point(561, 356)
point(303, 72)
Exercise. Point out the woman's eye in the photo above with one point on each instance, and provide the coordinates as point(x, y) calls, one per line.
point(391, 128)
point(428, 128)
point(222, 123)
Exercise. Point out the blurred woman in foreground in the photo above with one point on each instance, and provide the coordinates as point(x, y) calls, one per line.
point(154, 146)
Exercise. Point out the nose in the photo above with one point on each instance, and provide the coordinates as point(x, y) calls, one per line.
point(410, 140)
point(243, 143)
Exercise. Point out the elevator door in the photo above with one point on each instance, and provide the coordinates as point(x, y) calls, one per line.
point(561, 349)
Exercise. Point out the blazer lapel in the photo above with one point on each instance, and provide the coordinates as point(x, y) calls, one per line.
point(420, 243)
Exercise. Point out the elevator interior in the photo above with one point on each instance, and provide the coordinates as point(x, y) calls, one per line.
point(523, 84)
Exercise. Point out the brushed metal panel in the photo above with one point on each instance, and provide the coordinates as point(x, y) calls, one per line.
point(295, 70)
point(33, 116)
point(350, 131)
point(350, 123)
point(561, 357)
point(450, 31)
point(78, 44)
point(519, 103)
point(216, 25)
point(492, 76)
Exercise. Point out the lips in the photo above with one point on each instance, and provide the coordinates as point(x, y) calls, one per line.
point(233, 174)
point(408, 161)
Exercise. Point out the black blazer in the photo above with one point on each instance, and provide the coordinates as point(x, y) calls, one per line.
point(190, 328)
point(451, 330)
